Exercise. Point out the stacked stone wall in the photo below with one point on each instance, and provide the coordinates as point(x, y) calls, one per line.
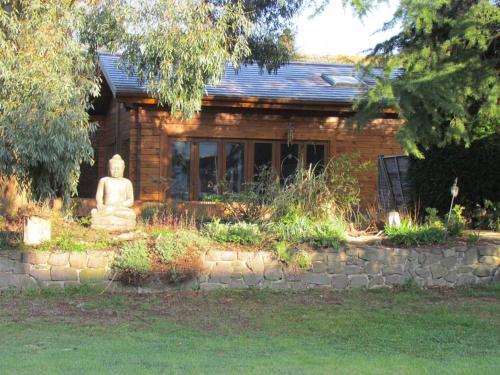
point(353, 266)
point(23, 270)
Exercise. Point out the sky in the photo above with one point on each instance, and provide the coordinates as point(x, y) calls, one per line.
point(337, 31)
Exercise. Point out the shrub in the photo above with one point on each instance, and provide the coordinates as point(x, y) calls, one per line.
point(283, 251)
point(134, 257)
point(292, 228)
point(487, 216)
point(171, 246)
point(456, 222)
point(327, 235)
point(241, 232)
point(302, 259)
point(409, 234)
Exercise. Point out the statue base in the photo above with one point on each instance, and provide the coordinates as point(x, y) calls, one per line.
point(112, 223)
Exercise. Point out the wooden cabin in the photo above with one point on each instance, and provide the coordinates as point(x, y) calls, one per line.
point(250, 119)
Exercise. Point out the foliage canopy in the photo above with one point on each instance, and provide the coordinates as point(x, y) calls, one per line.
point(449, 88)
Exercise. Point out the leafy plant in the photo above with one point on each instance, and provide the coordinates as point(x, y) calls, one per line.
point(456, 223)
point(241, 232)
point(487, 216)
point(409, 234)
point(282, 251)
point(171, 246)
point(302, 259)
point(134, 257)
point(327, 235)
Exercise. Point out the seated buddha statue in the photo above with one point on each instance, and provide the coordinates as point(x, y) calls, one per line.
point(115, 197)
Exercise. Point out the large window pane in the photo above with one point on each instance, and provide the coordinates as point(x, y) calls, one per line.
point(181, 164)
point(315, 156)
point(263, 157)
point(289, 160)
point(207, 177)
point(235, 166)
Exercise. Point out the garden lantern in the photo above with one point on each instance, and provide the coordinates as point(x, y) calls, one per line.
point(454, 193)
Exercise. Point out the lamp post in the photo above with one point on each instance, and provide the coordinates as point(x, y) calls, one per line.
point(454, 193)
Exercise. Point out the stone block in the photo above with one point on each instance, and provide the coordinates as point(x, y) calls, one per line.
point(22, 282)
point(376, 282)
point(51, 284)
point(36, 230)
point(256, 264)
point(253, 279)
point(438, 271)
point(496, 277)
point(490, 260)
point(422, 272)
point(340, 281)
point(6, 265)
point(212, 286)
point(221, 273)
point(449, 252)
point(293, 274)
point(429, 258)
point(317, 278)
point(394, 280)
point(62, 273)
point(40, 273)
point(37, 257)
point(97, 262)
point(335, 267)
point(436, 283)
point(371, 253)
point(318, 256)
point(92, 275)
point(470, 257)
point(373, 267)
point(319, 267)
point(78, 260)
point(221, 255)
point(15, 255)
point(273, 273)
point(245, 255)
point(352, 270)
point(5, 279)
point(276, 285)
point(358, 281)
point(297, 285)
point(21, 268)
point(395, 269)
point(450, 261)
point(58, 259)
point(237, 284)
point(463, 280)
point(465, 269)
point(482, 270)
point(489, 250)
point(354, 261)
point(451, 276)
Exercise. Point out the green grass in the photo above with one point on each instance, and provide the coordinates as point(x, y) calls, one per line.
point(252, 332)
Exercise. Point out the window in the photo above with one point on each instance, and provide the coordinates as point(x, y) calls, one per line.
point(181, 166)
point(235, 166)
point(197, 166)
point(207, 176)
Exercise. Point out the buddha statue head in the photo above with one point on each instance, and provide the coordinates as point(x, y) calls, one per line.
point(116, 166)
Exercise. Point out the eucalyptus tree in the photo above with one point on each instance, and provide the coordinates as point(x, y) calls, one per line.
point(46, 81)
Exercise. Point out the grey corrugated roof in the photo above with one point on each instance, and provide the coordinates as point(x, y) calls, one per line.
point(300, 81)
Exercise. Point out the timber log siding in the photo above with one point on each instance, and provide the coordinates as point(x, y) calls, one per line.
point(142, 135)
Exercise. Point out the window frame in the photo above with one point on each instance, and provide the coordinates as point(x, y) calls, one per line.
point(248, 162)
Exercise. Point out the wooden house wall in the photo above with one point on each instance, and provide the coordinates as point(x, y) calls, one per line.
point(157, 127)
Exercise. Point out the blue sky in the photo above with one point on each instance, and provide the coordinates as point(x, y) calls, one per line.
point(337, 31)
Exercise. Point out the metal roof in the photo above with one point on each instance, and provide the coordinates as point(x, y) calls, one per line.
point(296, 80)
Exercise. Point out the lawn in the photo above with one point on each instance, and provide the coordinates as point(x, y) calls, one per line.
point(251, 332)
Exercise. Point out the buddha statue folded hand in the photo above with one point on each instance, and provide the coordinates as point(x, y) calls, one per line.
point(115, 197)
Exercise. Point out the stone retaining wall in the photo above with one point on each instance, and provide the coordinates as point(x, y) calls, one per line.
point(353, 266)
point(356, 266)
point(22, 270)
